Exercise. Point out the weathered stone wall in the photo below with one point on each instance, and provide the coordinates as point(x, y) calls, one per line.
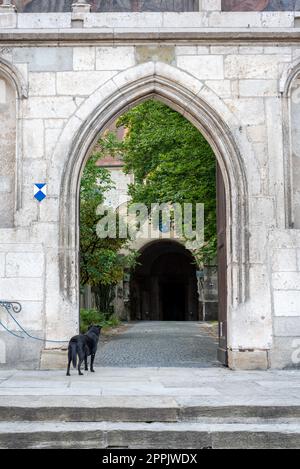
point(202, 67)
point(22, 277)
point(285, 271)
point(118, 195)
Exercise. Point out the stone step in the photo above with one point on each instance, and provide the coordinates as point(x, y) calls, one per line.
point(194, 435)
point(130, 409)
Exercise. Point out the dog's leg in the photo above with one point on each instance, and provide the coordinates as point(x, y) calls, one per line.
point(79, 365)
point(92, 362)
point(86, 363)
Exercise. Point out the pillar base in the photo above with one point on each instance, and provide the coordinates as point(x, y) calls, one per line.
point(54, 359)
point(248, 359)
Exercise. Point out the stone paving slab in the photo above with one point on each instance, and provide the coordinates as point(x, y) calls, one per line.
point(209, 386)
point(91, 401)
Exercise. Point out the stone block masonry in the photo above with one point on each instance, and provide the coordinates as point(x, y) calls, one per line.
point(230, 74)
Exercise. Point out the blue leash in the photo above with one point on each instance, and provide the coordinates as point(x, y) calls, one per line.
point(17, 308)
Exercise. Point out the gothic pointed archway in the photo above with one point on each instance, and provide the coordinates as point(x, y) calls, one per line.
point(198, 104)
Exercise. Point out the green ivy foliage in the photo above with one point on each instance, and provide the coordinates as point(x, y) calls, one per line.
point(172, 163)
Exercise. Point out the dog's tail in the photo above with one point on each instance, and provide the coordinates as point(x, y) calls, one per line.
point(73, 353)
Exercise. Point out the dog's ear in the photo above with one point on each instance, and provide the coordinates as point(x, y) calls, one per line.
point(90, 326)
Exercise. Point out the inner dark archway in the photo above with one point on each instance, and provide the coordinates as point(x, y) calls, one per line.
point(164, 284)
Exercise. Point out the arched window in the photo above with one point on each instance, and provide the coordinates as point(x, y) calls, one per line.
point(7, 151)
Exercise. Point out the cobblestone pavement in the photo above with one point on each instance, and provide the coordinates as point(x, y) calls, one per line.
point(161, 344)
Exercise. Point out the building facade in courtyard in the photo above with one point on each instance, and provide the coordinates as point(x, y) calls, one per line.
point(231, 68)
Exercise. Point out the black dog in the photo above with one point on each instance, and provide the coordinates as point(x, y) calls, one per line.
point(83, 345)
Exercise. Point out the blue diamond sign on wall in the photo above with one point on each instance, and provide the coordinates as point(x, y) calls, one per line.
point(40, 192)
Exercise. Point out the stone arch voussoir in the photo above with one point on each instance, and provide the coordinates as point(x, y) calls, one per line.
point(12, 74)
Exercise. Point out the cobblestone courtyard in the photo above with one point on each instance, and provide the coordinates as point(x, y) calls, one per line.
point(162, 344)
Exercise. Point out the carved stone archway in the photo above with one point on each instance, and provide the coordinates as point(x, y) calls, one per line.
point(199, 105)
